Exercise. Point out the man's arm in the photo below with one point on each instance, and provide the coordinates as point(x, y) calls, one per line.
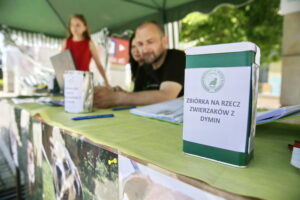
point(106, 98)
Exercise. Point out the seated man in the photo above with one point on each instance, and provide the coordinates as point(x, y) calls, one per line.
point(160, 79)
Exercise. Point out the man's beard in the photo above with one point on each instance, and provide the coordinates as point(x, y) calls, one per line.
point(155, 59)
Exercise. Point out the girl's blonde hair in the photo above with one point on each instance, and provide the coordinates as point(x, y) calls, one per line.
point(86, 33)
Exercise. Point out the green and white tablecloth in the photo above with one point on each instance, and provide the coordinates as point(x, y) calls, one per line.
point(268, 176)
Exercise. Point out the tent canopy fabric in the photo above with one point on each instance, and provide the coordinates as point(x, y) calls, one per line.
point(51, 16)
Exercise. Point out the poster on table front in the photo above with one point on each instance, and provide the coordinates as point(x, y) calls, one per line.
point(76, 169)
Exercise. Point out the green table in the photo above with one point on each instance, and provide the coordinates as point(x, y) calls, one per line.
point(268, 176)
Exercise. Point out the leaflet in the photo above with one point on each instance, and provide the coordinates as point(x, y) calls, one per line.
point(172, 111)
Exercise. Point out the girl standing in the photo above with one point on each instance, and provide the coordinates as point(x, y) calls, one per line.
point(81, 46)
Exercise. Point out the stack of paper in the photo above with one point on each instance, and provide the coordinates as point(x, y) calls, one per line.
point(276, 114)
point(41, 100)
point(171, 111)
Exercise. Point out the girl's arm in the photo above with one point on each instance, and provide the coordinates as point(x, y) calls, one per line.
point(64, 44)
point(95, 56)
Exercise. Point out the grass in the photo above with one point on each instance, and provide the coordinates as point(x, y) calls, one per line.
point(49, 191)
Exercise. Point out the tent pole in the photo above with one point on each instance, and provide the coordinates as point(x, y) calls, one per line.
point(142, 4)
point(164, 12)
point(56, 13)
point(162, 9)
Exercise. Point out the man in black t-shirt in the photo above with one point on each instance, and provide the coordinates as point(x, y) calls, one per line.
point(160, 79)
point(172, 69)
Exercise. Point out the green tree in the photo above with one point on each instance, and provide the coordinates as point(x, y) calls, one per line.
point(257, 22)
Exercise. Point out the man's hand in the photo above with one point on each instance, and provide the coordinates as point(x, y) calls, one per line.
point(105, 97)
point(118, 89)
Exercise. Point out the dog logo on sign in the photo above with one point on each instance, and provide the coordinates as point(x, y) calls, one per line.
point(212, 80)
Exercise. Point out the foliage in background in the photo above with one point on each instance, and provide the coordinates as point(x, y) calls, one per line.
point(95, 167)
point(257, 22)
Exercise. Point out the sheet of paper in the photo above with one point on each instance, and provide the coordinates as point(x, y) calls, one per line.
point(73, 92)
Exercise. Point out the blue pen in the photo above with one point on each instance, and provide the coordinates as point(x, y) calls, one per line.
point(123, 108)
point(93, 117)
